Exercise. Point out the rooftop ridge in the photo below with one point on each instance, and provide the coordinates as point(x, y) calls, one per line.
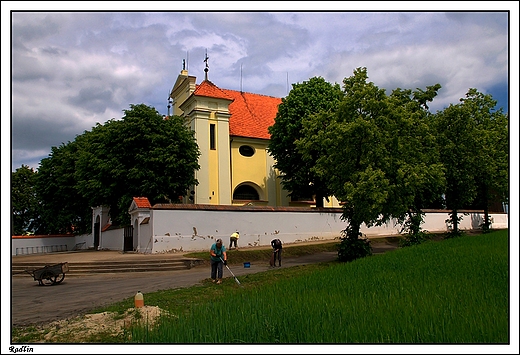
point(252, 93)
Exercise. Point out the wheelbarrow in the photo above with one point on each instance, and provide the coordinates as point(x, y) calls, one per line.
point(49, 274)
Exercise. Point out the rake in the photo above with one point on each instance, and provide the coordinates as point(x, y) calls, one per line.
point(238, 282)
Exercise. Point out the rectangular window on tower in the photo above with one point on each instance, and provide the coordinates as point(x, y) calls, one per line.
point(212, 137)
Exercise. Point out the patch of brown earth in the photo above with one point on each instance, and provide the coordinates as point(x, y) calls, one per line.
point(85, 328)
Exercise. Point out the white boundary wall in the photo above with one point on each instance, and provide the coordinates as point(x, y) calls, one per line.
point(22, 245)
point(195, 230)
point(183, 230)
point(188, 230)
point(111, 239)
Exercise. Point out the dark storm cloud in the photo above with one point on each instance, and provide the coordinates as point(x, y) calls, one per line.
point(92, 99)
point(42, 134)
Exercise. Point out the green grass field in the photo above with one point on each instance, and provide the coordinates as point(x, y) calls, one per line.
point(449, 292)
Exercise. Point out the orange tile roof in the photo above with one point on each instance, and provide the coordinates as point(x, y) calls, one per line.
point(251, 114)
point(208, 89)
point(142, 202)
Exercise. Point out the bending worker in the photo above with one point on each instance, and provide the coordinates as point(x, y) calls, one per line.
point(234, 239)
point(217, 259)
point(276, 244)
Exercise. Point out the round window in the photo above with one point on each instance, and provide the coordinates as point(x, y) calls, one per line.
point(246, 150)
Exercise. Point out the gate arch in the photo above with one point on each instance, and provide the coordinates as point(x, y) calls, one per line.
point(247, 192)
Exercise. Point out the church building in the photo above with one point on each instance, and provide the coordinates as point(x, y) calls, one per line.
point(231, 130)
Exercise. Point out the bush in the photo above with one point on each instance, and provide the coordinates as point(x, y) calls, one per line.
point(454, 234)
point(414, 239)
point(351, 249)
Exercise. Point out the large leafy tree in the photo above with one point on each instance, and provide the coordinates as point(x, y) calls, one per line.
point(312, 97)
point(357, 158)
point(379, 155)
point(142, 154)
point(63, 208)
point(457, 141)
point(474, 149)
point(415, 169)
point(24, 202)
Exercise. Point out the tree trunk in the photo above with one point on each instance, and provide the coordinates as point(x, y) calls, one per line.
point(319, 200)
point(454, 222)
point(486, 225)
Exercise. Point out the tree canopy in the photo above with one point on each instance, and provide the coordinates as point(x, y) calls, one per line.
point(141, 154)
point(313, 97)
point(379, 155)
point(24, 203)
point(63, 208)
point(473, 144)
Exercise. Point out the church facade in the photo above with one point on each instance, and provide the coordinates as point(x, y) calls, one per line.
point(231, 130)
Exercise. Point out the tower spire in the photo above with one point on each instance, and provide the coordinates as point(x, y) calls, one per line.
point(207, 66)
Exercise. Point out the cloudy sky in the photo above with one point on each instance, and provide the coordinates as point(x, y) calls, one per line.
point(73, 69)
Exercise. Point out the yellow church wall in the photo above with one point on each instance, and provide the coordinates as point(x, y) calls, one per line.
point(213, 163)
point(278, 195)
point(218, 161)
point(209, 119)
point(202, 192)
point(250, 170)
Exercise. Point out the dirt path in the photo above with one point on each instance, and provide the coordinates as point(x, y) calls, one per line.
point(34, 304)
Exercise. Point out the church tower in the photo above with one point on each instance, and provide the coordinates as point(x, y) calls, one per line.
point(206, 110)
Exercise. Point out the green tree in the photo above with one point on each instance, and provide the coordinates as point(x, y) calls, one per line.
point(379, 156)
point(474, 146)
point(415, 169)
point(493, 177)
point(140, 155)
point(24, 203)
point(355, 140)
point(62, 208)
point(309, 98)
point(457, 137)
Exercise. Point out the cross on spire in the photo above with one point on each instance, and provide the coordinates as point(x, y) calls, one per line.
point(207, 66)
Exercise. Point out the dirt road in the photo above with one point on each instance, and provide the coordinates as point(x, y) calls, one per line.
point(34, 304)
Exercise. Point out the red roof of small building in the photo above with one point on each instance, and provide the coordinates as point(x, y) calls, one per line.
point(142, 202)
point(251, 114)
